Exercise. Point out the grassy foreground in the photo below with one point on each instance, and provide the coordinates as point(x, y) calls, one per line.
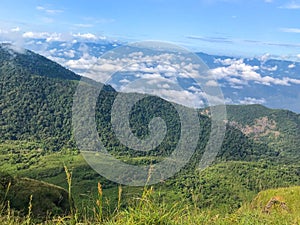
point(225, 194)
point(147, 210)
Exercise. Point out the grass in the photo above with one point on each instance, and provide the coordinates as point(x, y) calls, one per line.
point(148, 210)
point(95, 200)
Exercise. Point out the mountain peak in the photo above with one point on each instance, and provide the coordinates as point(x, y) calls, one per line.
point(32, 63)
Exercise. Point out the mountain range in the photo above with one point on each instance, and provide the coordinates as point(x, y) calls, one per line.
point(260, 149)
point(262, 80)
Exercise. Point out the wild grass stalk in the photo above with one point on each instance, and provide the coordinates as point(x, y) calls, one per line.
point(29, 214)
point(98, 210)
point(119, 197)
point(3, 203)
point(73, 214)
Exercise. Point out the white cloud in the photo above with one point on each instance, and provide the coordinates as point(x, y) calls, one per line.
point(291, 66)
point(30, 34)
point(89, 36)
point(36, 35)
point(239, 73)
point(16, 29)
point(15, 49)
point(271, 69)
point(249, 101)
point(49, 37)
point(290, 30)
point(183, 97)
point(70, 53)
point(49, 11)
point(83, 25)
point(155, 78)
point(53, 51)
point(40, 8)
point(158, 74)
point(294, 81)
point(265, 57)
point(212, 83)
point(225, 62)
point(194, 89)
point(291, 5)
point(125, 81)
point(54, 37)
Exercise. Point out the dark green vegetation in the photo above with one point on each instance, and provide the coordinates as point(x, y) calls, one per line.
point(279, 129)
point(260, 151)
point(24, 191)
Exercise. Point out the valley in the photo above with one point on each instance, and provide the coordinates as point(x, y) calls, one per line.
point(39, 159)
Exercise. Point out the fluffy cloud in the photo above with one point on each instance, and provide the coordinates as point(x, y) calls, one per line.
point(48, 11)
point(290, 30)
point(291, 66)
point(265, 57)
point(271, 69)
point(49, 37)
point(212, 83)
point(162, 74)
point(237, 72)
point(86, 36)
point(291, 5)
point(249, 100)
point(69, 54)
point(35, 35)
point(16, 29)
point(83, 25)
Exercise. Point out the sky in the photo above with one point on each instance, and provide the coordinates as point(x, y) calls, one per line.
point(231, 27)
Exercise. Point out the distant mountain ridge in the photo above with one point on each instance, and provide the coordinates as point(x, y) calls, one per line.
point(260, 148)
point(39, 108)
point(279, 129)
point(258, 80)
point(34, 64)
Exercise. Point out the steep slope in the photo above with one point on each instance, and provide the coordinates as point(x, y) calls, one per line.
point(228, 185)
point(36, 98)
point(280, 129)
point(36, 104)
point(32, 64)
point(18, 191)
point(272, 206)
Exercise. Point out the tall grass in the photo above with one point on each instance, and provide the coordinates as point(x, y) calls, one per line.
point(29, 214)
point(148, 209)
point(4, 201)
point(98, 210)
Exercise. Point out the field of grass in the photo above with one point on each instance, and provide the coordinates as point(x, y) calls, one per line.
point(226, 193)
point(147, 210)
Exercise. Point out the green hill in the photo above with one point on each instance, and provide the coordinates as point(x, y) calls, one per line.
point(273, 206)
point(260, 149)
point(280, 129)
point(21, 192)
point(36, 103)
point(277, 128)
point(28, 63)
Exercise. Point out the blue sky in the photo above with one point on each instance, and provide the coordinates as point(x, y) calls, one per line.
point(232, 27)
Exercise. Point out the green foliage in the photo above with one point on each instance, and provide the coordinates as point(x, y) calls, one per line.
point(23, 191)
point(226, 186)
point(36, 105)
point(36, 142)
point(281, 134)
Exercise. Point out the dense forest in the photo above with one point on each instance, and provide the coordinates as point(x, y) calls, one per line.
point(260, 151)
